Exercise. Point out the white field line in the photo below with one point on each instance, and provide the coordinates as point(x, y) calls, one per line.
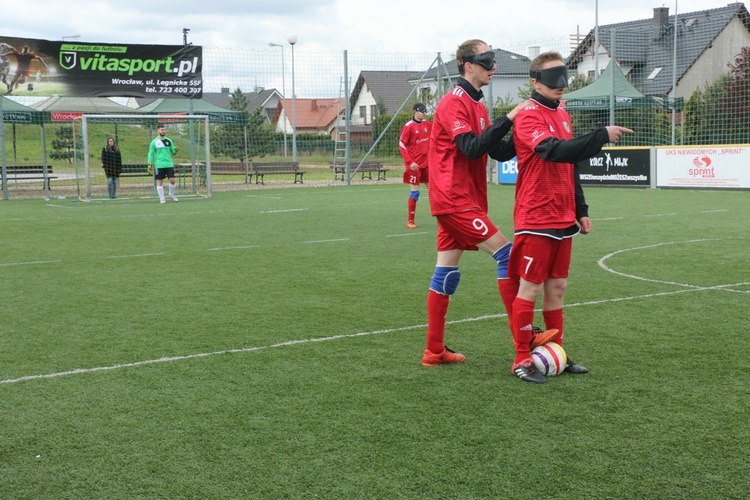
point(81, 371)
point(136, 255)
point(404, 234)
point(688, 288)
point(326, 241)
point(30, 263)
point(280, 211)
point(233, 248)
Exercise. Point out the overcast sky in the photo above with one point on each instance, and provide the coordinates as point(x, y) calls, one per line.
point(322, 25)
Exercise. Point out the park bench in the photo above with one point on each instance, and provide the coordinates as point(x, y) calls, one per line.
point(260, 169)
point(228, 168)
point(366, 169)
point(135, 170)
point(29, 172)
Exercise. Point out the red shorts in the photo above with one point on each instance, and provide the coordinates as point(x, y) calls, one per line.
point(418, 176)
point(463, 230)
point(536, 258)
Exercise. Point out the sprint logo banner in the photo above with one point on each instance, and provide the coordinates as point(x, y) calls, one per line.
point(44, 67)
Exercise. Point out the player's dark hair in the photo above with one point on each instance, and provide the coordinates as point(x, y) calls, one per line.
point(543, 58)
point(466, 49)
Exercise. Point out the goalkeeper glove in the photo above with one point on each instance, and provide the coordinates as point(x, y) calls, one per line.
point(176, 149)
point(150, 169)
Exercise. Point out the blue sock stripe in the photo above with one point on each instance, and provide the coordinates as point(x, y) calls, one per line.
point(414, 195)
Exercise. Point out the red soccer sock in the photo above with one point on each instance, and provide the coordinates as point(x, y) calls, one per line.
point(554, 319)
point(437, 310)
point(508, 290)
point(523, 320)
point(412, 209)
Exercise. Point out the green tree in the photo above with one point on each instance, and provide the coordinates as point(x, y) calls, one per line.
point(388, 145)
point(63, 145)
point(229, 139)
point(705, 118)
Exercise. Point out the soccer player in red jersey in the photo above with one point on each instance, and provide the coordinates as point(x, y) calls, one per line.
point(549, 209)
point(413, 145)
point(462, 137)
point(23, 66)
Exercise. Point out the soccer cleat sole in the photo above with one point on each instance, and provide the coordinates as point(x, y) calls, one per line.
point(544, 337)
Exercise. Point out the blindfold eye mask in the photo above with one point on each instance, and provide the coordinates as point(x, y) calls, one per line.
point(485, 59)
point(554, 78)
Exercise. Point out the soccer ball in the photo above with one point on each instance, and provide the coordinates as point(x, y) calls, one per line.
point(30, 87)
point(549, 359)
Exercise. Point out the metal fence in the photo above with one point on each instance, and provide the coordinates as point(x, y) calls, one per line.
point(306, 105)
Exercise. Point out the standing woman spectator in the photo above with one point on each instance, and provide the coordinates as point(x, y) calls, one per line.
point(112, 165)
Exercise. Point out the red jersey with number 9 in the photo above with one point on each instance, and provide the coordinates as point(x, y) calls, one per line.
point(457, 183)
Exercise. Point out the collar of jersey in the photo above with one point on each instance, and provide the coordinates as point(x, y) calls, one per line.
point(469, 88)
point(536, 96)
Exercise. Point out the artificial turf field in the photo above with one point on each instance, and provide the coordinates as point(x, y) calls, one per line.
point(268, 344)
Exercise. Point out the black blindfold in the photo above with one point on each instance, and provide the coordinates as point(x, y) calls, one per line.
point(554, 78)
point(485, 59)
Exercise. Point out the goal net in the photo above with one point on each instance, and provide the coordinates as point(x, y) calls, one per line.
point(133, 135)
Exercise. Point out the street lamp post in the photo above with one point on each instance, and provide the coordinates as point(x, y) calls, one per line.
point(283, 86)
point(292, 39)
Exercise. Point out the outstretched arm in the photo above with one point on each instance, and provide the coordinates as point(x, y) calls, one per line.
point(580, 148)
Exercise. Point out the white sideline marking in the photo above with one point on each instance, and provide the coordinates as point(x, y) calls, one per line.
point(30, 263)
point(404, 234)
point(232, 248)
point(688, 288)
point(660, 215)
point(136, 255)
point(326, 241)
point(81, 371)
point(283, 211)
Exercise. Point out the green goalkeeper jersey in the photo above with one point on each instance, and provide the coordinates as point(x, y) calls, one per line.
point(160, 152)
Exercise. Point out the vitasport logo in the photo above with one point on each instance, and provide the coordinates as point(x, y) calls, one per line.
point(113, 59)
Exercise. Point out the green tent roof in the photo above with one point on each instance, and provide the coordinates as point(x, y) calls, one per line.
point(18, 113)
point(81, 105)
point(613, 86)
point(603, 86)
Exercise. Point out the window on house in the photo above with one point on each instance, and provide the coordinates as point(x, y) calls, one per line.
point(373, 111)
point(363, 114)
point(591, 74)
point(653, 74)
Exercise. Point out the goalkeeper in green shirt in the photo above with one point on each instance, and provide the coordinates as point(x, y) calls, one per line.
point(160, 154)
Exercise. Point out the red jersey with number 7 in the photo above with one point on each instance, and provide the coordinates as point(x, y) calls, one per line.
point(545, 191)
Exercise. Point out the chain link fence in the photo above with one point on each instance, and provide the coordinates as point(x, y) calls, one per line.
point(304, 106)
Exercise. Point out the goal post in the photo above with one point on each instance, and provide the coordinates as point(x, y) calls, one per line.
point(133, 134)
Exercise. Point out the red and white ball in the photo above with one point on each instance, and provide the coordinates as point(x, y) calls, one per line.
point(549, 359)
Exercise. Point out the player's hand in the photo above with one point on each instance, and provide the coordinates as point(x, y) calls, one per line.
point(414, 166)
point(585, 224)
point(528, 103)
point(176, 149)
point(615, 132)
point(150, 169)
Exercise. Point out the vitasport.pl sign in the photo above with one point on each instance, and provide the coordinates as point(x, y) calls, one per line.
point(45, 67)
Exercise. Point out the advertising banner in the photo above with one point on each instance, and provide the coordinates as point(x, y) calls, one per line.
point(507, 171)
point(33, 67)
point(703, 166)
point(630, 166)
